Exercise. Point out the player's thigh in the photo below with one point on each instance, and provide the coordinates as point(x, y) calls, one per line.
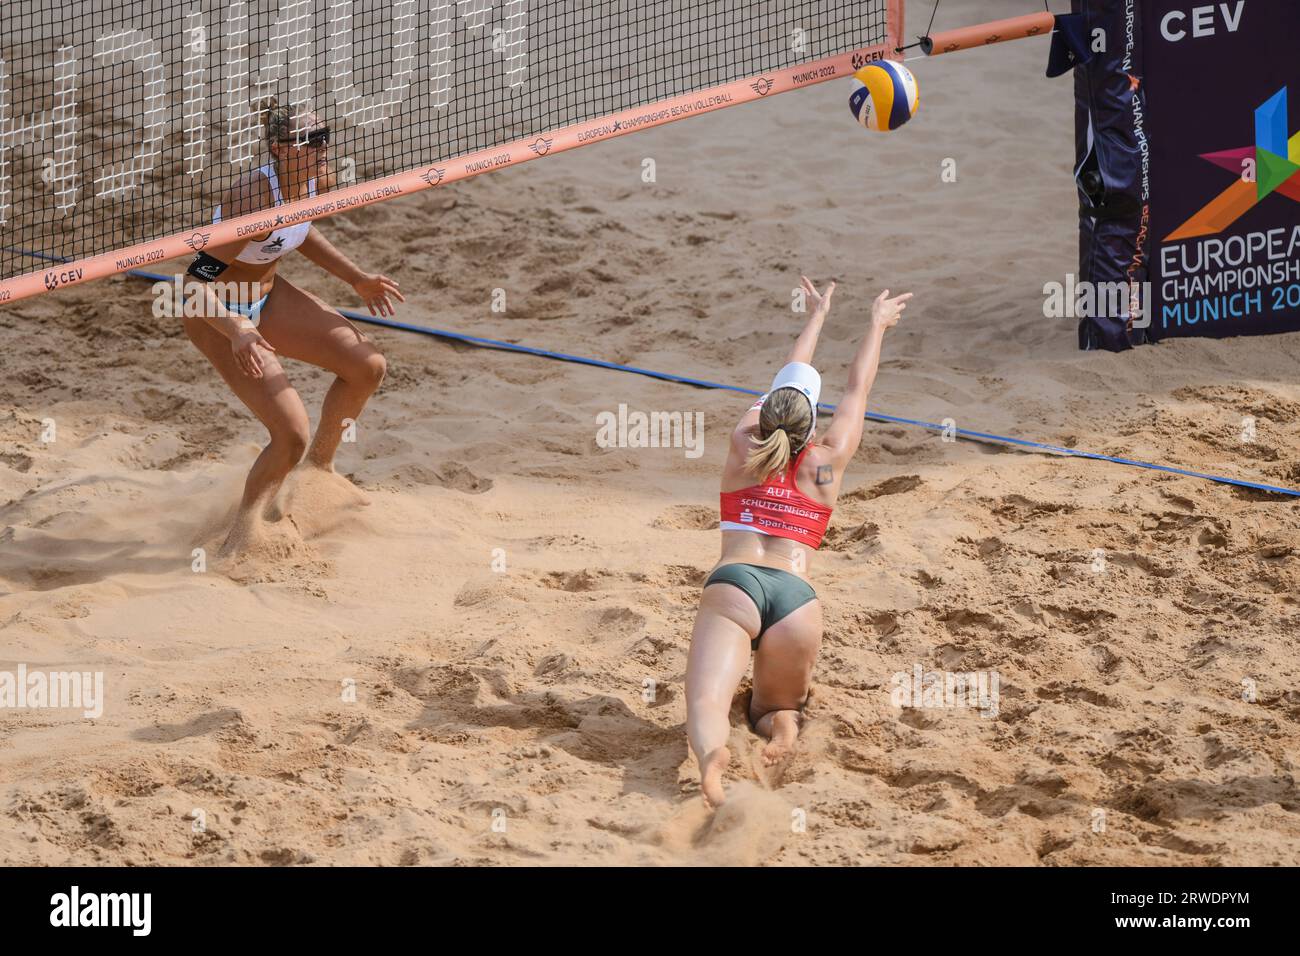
point(301, 326)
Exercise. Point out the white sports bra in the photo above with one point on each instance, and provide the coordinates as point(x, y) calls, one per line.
point(281, 240)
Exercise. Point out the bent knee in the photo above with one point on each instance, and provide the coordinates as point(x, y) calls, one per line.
point(291, 441)
point(760, 706)
point(369, 371)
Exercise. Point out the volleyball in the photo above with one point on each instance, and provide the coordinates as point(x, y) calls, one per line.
point(885, 95)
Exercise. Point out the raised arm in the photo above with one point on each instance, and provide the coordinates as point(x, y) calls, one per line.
point(845, 433)
point(806, 344)
point(803, 350)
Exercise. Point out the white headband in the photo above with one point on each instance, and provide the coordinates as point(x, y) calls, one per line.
point(804, 378)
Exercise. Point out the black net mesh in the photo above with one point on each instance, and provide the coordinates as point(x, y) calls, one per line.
point(123, 121)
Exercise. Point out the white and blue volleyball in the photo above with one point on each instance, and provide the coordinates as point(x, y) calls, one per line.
point(885, 95)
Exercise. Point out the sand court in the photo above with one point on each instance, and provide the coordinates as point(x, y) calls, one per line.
point(485, 664)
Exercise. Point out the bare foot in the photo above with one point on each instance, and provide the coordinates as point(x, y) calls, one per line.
point(785, 730)
point(245, 535)
point(711, 770)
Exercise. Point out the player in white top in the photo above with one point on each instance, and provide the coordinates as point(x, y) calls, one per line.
point(267, 318)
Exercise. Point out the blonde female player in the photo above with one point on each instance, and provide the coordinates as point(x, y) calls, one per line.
point(251, 317)
point(779, 485)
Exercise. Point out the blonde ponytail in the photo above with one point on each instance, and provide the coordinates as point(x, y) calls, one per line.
point(785, 413)
point(768, 455)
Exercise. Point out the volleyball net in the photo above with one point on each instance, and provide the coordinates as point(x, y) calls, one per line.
point(123, 122)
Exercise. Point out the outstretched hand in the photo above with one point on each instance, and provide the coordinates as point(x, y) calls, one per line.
point(819, 301)
point(375, 290)
point(886, 311)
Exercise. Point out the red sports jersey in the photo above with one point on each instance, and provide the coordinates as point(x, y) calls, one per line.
point(777, 507)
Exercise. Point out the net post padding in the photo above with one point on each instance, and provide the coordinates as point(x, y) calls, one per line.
point(986, 34)
point(598, 130)
point(896, 28)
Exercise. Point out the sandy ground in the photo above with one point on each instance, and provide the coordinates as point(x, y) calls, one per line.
point(534, 713)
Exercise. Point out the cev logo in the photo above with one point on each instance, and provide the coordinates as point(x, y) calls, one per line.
point(55, 279)
point(1205, 21)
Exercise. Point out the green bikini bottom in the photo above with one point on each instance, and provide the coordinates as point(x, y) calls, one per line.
point(774, 592)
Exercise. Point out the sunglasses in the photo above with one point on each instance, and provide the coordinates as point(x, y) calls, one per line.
point(317, 137)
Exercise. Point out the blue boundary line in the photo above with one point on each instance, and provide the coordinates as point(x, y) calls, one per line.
point(702, 383)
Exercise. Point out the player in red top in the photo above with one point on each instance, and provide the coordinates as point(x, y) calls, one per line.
point(779, 485)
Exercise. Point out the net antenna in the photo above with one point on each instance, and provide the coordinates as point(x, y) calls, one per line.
point(981, 34)
point(123, 127)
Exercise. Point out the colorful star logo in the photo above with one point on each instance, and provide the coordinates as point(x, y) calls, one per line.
point(1277, 163)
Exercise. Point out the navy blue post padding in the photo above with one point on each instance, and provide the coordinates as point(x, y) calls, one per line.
point(1070, 47)
point(702, 383)
point(1110, 172)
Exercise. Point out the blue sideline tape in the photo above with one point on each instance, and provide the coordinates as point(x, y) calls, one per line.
point(702, 383)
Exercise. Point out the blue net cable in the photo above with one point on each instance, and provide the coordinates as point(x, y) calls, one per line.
point(702, 383)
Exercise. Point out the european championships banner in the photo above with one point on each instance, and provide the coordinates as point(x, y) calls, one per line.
point(1223, 93)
